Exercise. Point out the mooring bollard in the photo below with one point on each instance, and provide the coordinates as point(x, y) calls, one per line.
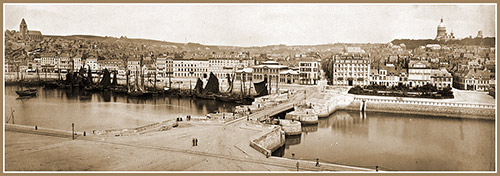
point(84, 133)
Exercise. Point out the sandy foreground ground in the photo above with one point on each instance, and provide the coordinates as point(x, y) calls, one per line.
point(220, 148)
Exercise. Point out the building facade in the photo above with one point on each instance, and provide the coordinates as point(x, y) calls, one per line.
point(309, 71)
point(351, 70)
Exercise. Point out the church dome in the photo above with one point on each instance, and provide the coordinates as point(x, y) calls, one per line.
point(441, 24)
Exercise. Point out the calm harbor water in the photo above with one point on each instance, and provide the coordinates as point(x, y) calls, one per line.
point(390, 141)
point(56, 108)
point(397, 142)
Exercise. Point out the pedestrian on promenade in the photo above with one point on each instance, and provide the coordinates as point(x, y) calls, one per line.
point(297, 166)
point(317, 162)
point(194, 142)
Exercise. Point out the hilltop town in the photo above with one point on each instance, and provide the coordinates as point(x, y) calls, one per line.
point(443, 62)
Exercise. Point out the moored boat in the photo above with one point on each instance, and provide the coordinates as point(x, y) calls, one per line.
point(29, 92)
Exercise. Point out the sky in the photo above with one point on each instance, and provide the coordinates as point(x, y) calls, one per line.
point(255, 24)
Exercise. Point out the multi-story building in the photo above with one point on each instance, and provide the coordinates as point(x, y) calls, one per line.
point(271, 69)
point(191, 67)
point(309, 70)
point(419, 73)
point(441, 78)
point(386, 75)
point(221, 66)
point(77, 62)
point(289, 76)
point(48, 62)
point(111, 65)
point(133, 64)
point(64, 63)
point(91, 63)
point(161, 65)
point(473, 79)
point(351, 70)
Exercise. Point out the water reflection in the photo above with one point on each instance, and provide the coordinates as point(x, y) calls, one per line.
point(397, 142)
point(57, 108)
point(309, 128)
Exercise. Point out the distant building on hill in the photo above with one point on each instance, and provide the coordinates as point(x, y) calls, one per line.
point(441, 32)
point(27, 34)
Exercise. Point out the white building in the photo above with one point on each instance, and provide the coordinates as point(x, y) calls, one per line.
point(91, 63)
point(191, 67)
point(351, 69)
point(419, 73)
point(309, 70)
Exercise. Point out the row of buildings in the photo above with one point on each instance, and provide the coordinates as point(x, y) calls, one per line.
point(188, 67)
point(348, 70)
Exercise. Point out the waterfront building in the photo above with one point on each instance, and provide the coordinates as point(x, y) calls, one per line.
point(48, 62)
point(245, 73)
point(133, 64)
point(223, 65)
point(271, 69)
point(473, 79)
point(91, 63)
point(111, 65)
point(64, 63)
point(195, 66)
point(419, 73)
point(161, 65)
point(77, 62)
point(10, 66)
point(441, 78)
point(309, 70)
point(351, 70)
point(386, 75)
point(290, 76)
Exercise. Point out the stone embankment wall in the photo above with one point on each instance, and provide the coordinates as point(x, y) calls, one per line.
point(269, 141)
point(291, 128)
point(431, 108)
point(158, 126)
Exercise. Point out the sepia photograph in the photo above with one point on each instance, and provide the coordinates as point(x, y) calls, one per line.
point(249, 88)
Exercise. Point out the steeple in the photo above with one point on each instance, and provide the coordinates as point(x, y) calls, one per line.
point(23, 29)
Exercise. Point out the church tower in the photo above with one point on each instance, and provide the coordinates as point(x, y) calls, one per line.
point(23, 29)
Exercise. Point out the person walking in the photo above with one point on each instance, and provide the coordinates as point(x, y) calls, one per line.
point(194, 142)
point(297, 166)
point(317, 162)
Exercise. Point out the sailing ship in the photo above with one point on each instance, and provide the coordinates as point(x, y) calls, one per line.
point(210, 90)
point(106, 80)
point(261, 88)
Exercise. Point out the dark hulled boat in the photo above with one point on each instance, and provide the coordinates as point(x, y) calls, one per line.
point(29, 92)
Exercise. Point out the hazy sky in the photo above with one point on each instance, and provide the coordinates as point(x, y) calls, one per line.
point(254, 24)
